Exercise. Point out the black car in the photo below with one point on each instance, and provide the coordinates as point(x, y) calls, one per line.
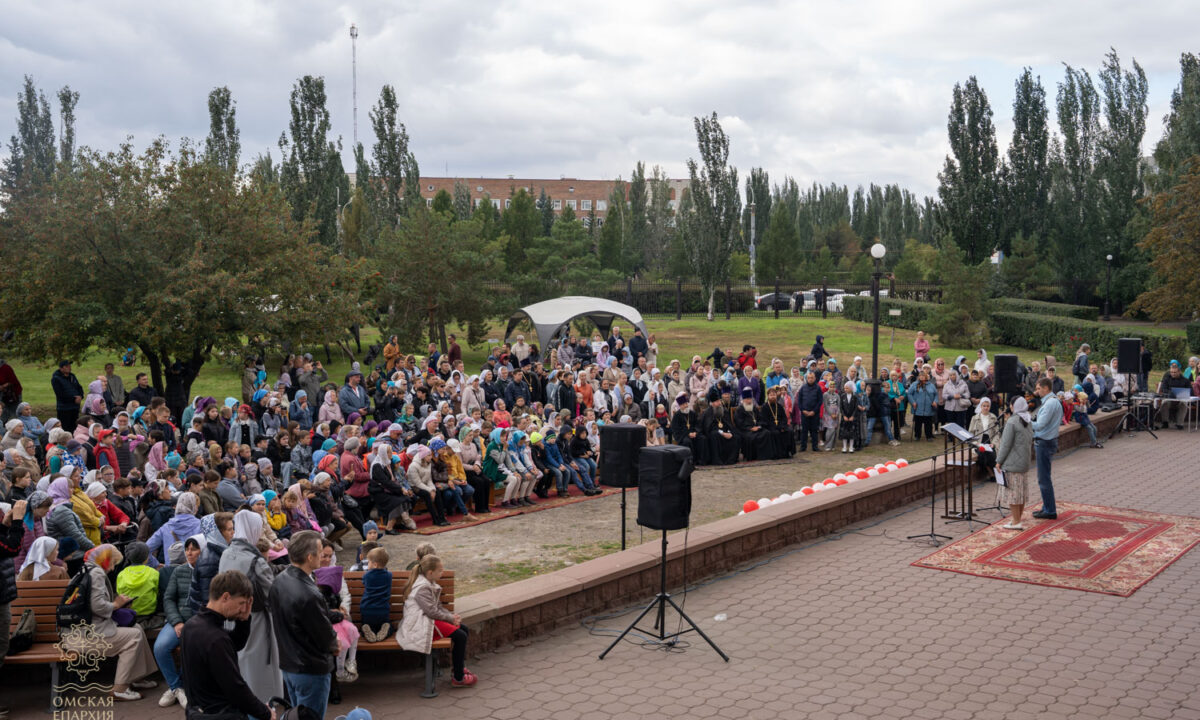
point(769, 301)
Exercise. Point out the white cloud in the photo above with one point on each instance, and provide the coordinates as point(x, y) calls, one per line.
point(847, 92)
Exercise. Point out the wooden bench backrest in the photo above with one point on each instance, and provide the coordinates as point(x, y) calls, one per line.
point(399, 580)
point(42, 596)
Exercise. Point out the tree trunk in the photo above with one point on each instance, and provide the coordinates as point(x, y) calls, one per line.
point(442, 337)
point(156, 368)
point(712, 301)
point(356, 331)
point(328, 355)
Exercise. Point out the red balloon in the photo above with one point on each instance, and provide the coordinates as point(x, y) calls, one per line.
point(863, 475)
point(750, 506)
point(830, 481)
point(840, 482)
point(901, 463)
point(882, 469)
point(807, 491)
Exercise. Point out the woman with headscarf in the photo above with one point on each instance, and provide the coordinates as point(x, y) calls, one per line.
point(956, 397)
point(848, 412)
point(216, 533)
point(94, 404)
point(983, 421)
point(330, 411)
point(982, 363)
point(37, 505)
point(182, 525)
point(1014, 456)
point(42, 563)
point(156, 461)
point(14, 430)
point(128, 644)
point(420, 479)
point(24, 453)
point(300, 515)
point(63, 521)
point(259, 659)
point(389, 492)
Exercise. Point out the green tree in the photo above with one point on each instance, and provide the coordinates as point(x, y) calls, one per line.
point(961, 318)
point(417, 301)
point(660, 220)
point(1181, 135)
point(311, 173)
point(918, 262)
point(758, 188)
point(1074, 193)
point(969, 181)
point(709, 222)
point(67, 100)
point(223, 145)
point(1174, 244)
point(521, 223)
point(545, 206)
point(1027, 173)
point(395, 183)
point(780, 254)
point(166, 239)
point(634, 251)
point(488, 218)
point(264, 172)
point(31, 151)
point(1025, 273)
point(462, 200)
point(443, 203)
point(614, 234)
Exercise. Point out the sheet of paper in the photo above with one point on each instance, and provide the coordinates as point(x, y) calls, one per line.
point(999, 476)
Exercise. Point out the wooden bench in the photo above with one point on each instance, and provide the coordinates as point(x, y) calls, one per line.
point(42, 597)
point(399, 580)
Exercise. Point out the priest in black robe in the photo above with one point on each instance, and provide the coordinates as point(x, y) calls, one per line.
point(754, 438)
point(773, 418)
point(717, 426)
point(685, 430)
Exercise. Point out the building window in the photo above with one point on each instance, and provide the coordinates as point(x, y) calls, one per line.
point(478, 188)
point(430, 188)
point(571, 189)
point(507, 203)
point(556, 204)
point(671, 204)
point(571, 204)
point(476, 202)
point(587, 221)
point(496, 203)
point(602, 205)
point(586, 204)
point(428, 202)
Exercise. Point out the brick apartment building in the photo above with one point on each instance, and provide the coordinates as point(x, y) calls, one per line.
point(582, 196)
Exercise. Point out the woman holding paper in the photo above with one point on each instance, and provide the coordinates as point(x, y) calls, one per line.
point(1014, 456)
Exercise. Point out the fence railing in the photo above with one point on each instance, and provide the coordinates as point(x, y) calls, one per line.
point(819, 297)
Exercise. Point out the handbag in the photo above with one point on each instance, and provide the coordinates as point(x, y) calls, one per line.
point(21, 638)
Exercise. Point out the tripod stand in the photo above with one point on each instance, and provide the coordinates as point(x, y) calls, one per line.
point(933, 536)
point(659, 604)
point(1130, 412)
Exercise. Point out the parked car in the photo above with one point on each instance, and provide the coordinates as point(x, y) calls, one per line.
point(803, 300)
point(770, 300)
point(883, 292)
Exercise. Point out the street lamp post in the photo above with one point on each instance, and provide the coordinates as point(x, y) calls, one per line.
point(878, 250)
point(1107, 285)
point(354, 78)
point(753, 284)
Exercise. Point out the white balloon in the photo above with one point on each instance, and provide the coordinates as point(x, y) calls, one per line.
point(858, 470)
point(901, 460)
point(872, 473)
point(893, 466)
point(880, 466)
point(840, 476)
point(818, 487)
point(852, 478)
point(763, 502)
point(798, 494)
point(741, 512)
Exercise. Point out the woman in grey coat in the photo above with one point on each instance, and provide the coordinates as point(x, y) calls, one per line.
point(1013, 456)
point(259, 659)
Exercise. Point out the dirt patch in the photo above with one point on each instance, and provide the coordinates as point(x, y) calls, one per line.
point(497, 553)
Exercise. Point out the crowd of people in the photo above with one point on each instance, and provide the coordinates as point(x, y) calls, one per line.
point(155, 498)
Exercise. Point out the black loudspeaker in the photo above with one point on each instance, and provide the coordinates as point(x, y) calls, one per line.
point(1006, 374)
point(664, 487)
point(1129, 356)
point(619, 445)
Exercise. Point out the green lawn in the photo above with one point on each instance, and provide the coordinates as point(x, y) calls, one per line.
point(788, 338)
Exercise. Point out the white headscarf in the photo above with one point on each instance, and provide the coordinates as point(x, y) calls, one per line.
point(37, 555)
point(247, 525)
point(979, 407)
point(382, 455)
point(1021, 409)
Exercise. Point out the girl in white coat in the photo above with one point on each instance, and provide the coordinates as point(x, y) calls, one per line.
point(425, 618)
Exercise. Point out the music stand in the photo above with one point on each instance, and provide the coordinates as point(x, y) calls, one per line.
point(933, 536)
point(659, 604)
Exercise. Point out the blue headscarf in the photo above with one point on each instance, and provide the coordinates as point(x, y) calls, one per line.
point(514, 442)
point(494, 436)
point(437, 444)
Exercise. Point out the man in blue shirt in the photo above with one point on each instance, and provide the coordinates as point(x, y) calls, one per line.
point(1045, 444)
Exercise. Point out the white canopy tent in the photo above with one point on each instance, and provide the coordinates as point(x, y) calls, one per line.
point(550, 316)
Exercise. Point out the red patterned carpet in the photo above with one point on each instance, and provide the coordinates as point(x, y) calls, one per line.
point(1097, 549)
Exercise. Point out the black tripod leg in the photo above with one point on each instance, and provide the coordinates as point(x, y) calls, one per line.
point(653, 603)
point(696, 627)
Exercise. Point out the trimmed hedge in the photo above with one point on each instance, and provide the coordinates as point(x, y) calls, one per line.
point(914, 315)
point(1020, 305)
point(1193, 336)
point(1062, 336)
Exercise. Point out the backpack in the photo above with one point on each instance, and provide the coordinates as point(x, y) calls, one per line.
point(1080, 368)
point(76, 604)
point(22, 636)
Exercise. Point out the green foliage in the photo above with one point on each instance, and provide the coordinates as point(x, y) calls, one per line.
point(545, 206)
point(443, 203)
point(67, 100)
point(162, 262)
point(969, 181)
point(779, 253)
point(1026, 176)
point(709, 221)
point(660, 231)
point(1181, 137)
point(1025, 273)
point(614, 234)
point(1060, 336)
point(419, 297)
point(311, 174)
point(914, 315)
point(1080, 312)
point(1174, 243)
point(961, 319)
point(395, 187)
point(1193, 336)
point(634, 251)
point(916, 262)
point(462, 200)
point(32, 154)
point(758, 187)
point(223, 145)
point(861, 271)
point(521, 223)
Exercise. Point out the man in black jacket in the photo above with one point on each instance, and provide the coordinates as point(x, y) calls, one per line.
point(211, 680)
point(638, 347)
point(142, 392)
point(307, 642)
point(68, 393)
point(808, 407)
point(773, 418)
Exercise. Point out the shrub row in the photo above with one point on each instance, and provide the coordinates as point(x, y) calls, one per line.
point(1193, 336)
point(1021, 305)
point(914, 315)
point(1062, 336)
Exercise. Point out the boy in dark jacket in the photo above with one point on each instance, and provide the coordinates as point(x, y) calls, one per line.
point(375, 606)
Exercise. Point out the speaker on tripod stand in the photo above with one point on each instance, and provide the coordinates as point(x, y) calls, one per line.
point(618, 462)
point(664, 503)
point(1129, 362)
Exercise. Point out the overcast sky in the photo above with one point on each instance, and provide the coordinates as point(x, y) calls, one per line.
point(851, 92)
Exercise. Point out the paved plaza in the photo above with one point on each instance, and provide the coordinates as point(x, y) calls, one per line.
point(846, 628)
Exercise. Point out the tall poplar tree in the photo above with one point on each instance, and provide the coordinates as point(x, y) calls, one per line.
point(311, 173)
point(223, 145)
point(1027, 173)
point(709, 224)
point(969, 181)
